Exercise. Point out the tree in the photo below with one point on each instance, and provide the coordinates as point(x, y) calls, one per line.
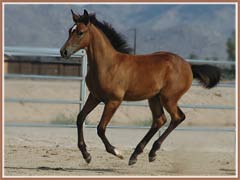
point(231, 47)
point(230, 44)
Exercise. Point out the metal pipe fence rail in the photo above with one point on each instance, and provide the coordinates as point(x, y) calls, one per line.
point(54, 52)
point(83, 88)
point(27, 76)
point(45, 125)
point(30, 51)
point(17, 51)
point(46, 52)
point(30, 76)
point(57, 101)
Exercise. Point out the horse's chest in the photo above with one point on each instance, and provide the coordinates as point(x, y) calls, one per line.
point(100, 88)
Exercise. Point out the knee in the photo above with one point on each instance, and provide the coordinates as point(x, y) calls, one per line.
point(163, 119)
point(80, 119)
point(160, 122)
point(100, 131)
point(181, 115)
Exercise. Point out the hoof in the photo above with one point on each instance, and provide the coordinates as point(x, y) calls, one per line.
point(132, 161)
point(88, 159)
point(118, 153)
point(152, 158)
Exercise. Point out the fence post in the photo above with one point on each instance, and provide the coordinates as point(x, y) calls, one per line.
point(83, 84)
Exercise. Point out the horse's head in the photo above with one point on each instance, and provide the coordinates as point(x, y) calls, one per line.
point(78, 35)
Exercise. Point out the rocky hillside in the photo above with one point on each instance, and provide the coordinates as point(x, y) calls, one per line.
point(184, 29)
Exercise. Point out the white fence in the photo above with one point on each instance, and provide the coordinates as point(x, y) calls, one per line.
point(46, 52)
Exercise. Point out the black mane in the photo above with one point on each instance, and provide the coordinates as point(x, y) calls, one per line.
point(117, 40)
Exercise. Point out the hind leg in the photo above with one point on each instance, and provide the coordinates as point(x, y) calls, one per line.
point(158, 120)
point(177, 116)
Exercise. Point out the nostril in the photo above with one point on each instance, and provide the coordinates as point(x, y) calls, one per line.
point(65, 52)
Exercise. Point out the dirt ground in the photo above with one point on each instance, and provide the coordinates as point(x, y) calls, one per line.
point(53, 152)
point(42, 151)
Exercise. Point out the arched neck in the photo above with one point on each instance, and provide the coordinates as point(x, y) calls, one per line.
point(100, 51)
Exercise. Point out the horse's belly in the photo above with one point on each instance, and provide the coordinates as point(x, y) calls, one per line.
point(140, 95)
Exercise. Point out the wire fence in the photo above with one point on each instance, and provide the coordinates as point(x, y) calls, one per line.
point(46, 52)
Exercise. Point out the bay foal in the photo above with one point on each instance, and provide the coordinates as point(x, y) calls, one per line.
point(113, 77)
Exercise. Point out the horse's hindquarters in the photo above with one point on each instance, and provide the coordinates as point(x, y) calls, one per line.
point(164, 73)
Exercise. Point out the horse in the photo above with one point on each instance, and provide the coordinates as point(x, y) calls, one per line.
point(116, 75)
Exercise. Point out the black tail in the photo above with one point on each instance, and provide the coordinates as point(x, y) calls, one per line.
point(209, 76)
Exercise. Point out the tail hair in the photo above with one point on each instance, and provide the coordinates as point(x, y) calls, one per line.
point(209, 76)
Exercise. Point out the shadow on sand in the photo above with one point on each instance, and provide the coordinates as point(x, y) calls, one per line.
point(45, 168)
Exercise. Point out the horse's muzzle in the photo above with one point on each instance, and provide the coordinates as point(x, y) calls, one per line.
point(64, 53)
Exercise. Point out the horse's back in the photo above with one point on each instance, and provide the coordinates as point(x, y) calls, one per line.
point(150, 74)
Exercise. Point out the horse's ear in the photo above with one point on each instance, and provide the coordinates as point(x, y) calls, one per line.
point(85, 12)
point(74, 16)
point(87, 17)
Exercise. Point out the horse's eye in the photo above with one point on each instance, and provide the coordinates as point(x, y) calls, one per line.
point(79, 33)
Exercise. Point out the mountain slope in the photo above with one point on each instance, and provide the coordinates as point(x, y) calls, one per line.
point(183, 29)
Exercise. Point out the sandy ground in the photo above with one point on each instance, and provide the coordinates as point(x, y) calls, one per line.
point(53, 152)
point(125, 115)
point(30, 151)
